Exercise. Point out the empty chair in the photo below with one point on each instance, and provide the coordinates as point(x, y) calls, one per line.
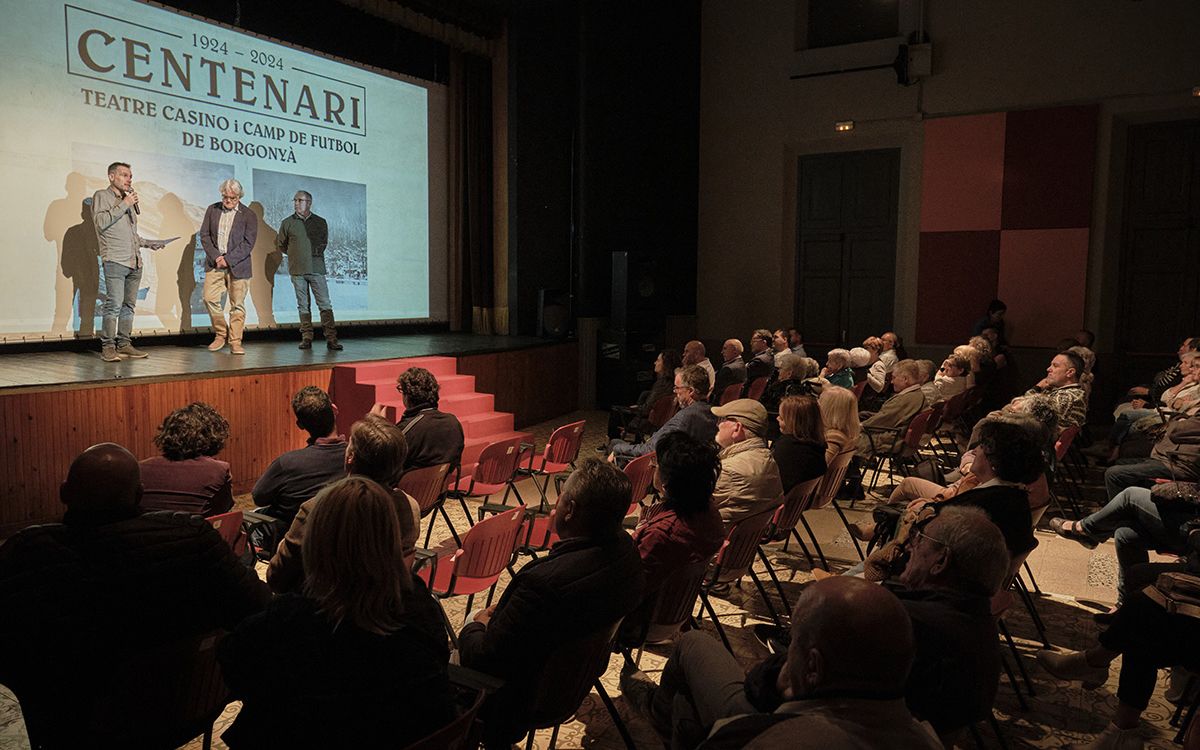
point(487, 551)
point(495, 471)
point(641, 474)
point(736, 559)
point(427, 487)
point(556, 459)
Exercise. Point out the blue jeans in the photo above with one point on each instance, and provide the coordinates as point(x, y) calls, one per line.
point(1133, 472)
point(1138, 524)
point(320, 291)
point(121, 284)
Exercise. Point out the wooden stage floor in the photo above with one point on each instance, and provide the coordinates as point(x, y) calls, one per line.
point(171, 361)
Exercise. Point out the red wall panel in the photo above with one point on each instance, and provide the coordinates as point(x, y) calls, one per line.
point(957, 278)
point(962, 174)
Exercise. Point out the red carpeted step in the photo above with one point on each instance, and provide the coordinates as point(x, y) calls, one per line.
point(467, 404)
point(486, 424)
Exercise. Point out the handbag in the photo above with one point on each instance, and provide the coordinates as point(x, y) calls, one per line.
point(1178, 593)
point(1176, 493)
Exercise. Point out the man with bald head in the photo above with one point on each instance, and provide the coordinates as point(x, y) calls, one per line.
point(733, 369)
point(79, 595)
point(842, 681)
point(694, 353)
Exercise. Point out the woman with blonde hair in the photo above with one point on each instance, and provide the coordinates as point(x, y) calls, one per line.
point(357, 649)
point(799, 452)
point(839, 414)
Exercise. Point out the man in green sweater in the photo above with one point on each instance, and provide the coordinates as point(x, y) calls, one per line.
point(303, 236)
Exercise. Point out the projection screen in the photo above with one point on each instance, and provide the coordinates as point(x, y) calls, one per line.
point(189, 103)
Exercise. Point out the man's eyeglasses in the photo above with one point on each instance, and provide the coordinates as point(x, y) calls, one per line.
point(922, 535)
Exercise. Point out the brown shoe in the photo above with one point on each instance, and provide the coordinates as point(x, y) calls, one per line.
point(217, 344)
point(861, 532)
point(109, 353)
point(235, 347)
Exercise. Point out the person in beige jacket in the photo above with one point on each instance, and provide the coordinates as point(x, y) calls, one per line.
point(749, 481)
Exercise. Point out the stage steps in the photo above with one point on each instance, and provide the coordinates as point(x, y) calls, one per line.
point(358, 387)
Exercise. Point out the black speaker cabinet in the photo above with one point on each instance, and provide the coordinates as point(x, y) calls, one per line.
point(554, 313)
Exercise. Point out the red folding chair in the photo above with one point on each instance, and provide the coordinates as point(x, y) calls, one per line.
point(229, 526)
point(487, 551)
point(427, 486)
point(662, 410)
point(641, 475)
point(858, 389)
point(736, 559)
point(783, 525)
point(826, 494)
point(496, 470)
point(661, 619)
point(901, 455)
point(557, 458)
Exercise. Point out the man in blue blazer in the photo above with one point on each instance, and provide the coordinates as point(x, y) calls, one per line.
point(228, 234)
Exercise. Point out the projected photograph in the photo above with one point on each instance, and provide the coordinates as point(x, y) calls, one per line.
point(343, 206)
point(174, 193)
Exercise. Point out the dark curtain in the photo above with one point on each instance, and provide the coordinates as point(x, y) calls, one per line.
point(471, 187)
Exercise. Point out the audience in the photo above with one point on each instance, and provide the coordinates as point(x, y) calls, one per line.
point(591, 579)
point(841, 684)
point(1060, 389)
point(186, 477)
point(837, 368)
point(1183, 398)
point(298, 475)
point(796, 342)
point(685, 527)
point(433, 437)
point(839, 414)
point(694, 417)
point(634, 417)
point(694, 353)
point(799, 452)
point(794, 379)
point(762, 361)
point(79, 596)
point(749, 481)
point(779, 345)
point(353, 661)
point(860, 362)
point(958, 563)
point(733, 369)
point(1175, 455)
point(896, 412)
point(376, 451)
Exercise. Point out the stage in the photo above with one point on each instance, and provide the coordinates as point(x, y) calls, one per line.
point(55, 404)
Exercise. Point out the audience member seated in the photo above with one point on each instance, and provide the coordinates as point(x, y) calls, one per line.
point(1173, 374)
point(794, 379)
point(685, 527)
point(1060, 389)
point(958, 563)
point(951, 380)
point(694, 417)
point(356, 660)
point(376, 451)
point(762, 361)
point(860, 362)
point(839, 415)
point(799, 452)
point(837, 368)
point(694, 353)
point(80, 595)
point(779, 345)
point(1175, 455)
point(1138, 520)
point(1147, 637)
point(882, 361)
point(186, 477)
point(634, 417)
point(1183, 398)
point(749, 480)
point(796, 341)
point(591, 579)
point(299, 475)
point(1005, 460)
point(434, 437)
point(893, 416)
point(733, 369)
point(841, 684)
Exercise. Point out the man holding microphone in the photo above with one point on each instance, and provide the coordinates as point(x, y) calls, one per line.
point(115, 211)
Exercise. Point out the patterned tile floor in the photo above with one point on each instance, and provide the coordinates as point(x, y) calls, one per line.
point(1058, 712)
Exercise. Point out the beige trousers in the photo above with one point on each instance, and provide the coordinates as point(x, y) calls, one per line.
point(216, 283)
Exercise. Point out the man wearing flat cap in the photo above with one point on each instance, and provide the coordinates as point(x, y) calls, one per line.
point(749, 481)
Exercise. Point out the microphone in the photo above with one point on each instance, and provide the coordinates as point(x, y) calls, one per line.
point(136, 208)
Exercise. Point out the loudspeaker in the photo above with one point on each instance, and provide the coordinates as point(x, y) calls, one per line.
point(554, 313)
point(636, 298)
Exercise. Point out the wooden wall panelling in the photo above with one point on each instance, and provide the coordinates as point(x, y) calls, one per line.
point(534, 384)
